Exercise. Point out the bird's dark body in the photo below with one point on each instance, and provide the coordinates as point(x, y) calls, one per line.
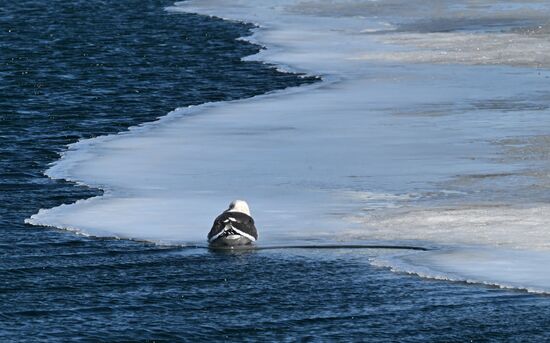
point(232, 228)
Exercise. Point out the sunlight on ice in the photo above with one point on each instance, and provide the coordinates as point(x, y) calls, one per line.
point(408, 104)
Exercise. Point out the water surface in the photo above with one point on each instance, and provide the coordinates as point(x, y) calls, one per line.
point(88, 68)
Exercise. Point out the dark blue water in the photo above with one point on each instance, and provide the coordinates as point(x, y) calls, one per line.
point(73, 70)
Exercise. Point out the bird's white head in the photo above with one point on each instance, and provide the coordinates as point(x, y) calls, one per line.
point(239, 206)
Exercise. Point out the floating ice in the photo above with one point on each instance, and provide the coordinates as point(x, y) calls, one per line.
point(505, 268)
point(340, 158)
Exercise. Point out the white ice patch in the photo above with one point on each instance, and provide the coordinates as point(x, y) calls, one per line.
point(371, 137)
point(511, 227)
point(466, 48)
point(505, 268)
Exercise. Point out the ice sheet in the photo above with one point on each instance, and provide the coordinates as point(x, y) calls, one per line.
point(333, 160)
point(504, 268)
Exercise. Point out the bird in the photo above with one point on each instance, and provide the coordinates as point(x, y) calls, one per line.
point(234, 227)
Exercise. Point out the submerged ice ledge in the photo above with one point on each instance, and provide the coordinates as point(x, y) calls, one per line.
point(371, 136)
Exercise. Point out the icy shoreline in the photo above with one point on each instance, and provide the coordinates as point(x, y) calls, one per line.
point(317, 161)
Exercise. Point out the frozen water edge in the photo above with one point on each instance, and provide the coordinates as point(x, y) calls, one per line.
point(475, 264)
point(305, 158)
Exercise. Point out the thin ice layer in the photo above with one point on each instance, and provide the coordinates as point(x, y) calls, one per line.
point(505, 268)
point(293, 157)
point(373, 135)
